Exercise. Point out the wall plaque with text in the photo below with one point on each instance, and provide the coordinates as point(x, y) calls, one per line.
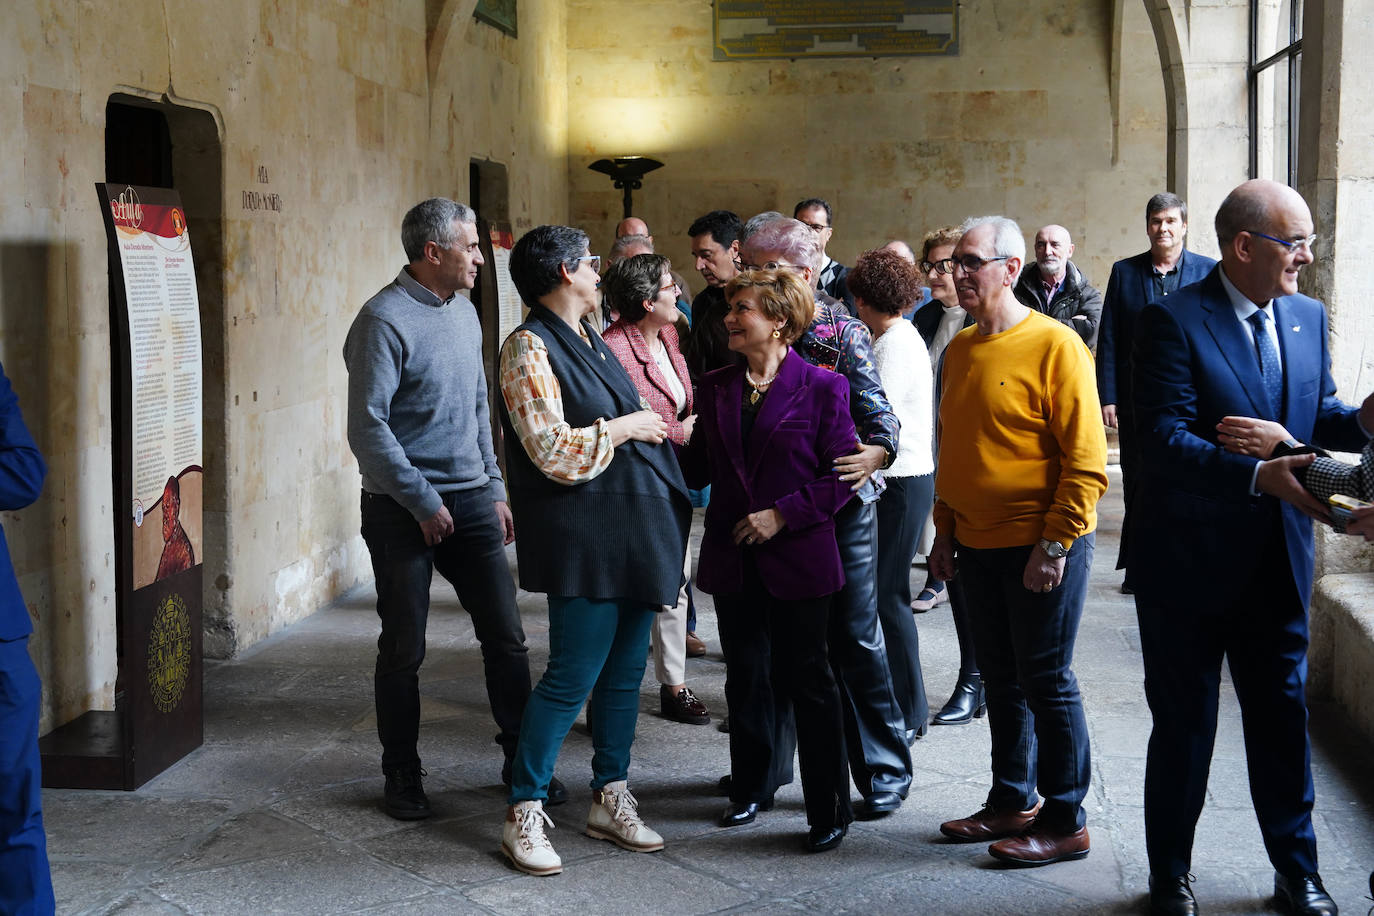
point(773, 29)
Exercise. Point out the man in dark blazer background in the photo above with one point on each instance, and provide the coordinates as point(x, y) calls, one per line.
point(1222, 548)
point(25, 881)
point(1136, 282)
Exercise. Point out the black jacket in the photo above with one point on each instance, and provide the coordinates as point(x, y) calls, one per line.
point(1075, 297)
point(620, 534)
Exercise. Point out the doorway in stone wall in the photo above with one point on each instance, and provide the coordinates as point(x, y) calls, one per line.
point(489, 195)
point(160, 142)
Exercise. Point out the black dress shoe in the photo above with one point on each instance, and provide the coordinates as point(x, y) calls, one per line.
point(1303, 895)
point(1172, 896)
point(737, 815)
point(915, 734)
point(968, 702)
point(819, 839)
point(876, 805)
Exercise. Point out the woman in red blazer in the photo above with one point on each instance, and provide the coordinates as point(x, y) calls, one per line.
point(644, 340)
point(769, 432)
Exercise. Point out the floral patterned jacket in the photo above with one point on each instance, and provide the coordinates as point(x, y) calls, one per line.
point(842, 344)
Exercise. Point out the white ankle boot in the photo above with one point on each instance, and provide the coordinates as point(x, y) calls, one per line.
point(524, 842)
point(614, 816)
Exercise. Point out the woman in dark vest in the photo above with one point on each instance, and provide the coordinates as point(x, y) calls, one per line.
point(592, 481)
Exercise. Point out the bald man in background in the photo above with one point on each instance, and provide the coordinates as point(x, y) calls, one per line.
point(1056, 287)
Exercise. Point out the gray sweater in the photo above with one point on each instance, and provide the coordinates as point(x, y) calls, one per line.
point(418, 420)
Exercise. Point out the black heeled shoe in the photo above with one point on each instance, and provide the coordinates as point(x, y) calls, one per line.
point(968, 702)
point(820, 839)
point(737, 815)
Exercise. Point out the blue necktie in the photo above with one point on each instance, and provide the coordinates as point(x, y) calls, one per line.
point(1268, 362)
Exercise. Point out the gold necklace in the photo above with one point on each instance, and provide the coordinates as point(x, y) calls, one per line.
point(759, 386)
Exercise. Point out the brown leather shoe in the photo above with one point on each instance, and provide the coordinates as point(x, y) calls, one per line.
point(695, 647)
point(1037, 845)
point(987, 823)
point(682, 706)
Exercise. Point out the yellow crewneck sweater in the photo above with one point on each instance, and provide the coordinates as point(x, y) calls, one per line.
point(1023, 454)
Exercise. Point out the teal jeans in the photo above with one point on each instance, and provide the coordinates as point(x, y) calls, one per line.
point(597, 648)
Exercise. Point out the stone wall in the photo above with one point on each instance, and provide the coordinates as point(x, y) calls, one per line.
point(1028, 120)
point(1337, 178)
point(351, 115)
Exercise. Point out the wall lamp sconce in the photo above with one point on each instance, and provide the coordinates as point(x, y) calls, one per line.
point(627, 172)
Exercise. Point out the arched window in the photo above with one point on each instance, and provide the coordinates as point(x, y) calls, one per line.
point(1275, 68)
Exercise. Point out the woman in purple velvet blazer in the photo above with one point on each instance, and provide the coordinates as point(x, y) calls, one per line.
point(769, 433)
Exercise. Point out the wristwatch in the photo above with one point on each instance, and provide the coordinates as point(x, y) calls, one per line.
point(1053, 549)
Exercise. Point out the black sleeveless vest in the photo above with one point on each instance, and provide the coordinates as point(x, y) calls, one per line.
point(621, 534)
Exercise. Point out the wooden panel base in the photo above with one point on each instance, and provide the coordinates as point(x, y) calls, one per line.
point(86, 753)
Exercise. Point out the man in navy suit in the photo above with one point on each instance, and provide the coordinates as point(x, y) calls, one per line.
point(1222, 553)
point(25, 882)
point(1136, 282)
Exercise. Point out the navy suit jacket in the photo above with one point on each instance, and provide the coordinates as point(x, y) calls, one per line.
point(803, 427)
point(21, 480)
point(1129, 290)
point(1196, 527)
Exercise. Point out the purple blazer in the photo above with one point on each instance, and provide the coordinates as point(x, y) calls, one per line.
point(803, 427)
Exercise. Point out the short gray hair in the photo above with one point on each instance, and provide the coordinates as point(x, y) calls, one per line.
point(432, 221)
point(1007, 238)
point(627, 243)
point(791, 238)
point(756, 222)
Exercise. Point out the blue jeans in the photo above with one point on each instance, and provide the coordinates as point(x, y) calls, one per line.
point(473, 560)
point(25, 882)
point(1024, 642)
point(597, 648)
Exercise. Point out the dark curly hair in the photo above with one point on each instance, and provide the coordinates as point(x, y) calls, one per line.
point(885, 281)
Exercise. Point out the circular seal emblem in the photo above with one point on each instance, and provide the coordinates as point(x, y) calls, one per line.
point(178, 222)
point(138, 512)
point(169, 653)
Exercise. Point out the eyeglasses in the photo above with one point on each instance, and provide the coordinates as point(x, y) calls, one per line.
point(673, 286)
point(814, 227)
point(1289, 244)
point(772, 265)
point(944, 267)
point(971, 263)
point(594, 258)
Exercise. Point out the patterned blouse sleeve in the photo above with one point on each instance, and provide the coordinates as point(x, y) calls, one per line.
point(534, 401)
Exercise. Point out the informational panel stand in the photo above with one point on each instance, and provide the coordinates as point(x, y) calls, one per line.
point(158, 484)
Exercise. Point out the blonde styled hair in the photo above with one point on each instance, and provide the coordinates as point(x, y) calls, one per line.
point(782, 296)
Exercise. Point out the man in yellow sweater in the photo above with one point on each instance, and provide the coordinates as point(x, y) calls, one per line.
point(1022, 465)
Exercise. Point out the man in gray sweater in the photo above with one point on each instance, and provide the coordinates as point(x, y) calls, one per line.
point(432, 495)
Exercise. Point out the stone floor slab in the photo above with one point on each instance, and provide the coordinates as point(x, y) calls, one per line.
point(280, 811)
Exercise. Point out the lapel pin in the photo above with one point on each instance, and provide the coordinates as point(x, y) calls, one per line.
point(1297, 328)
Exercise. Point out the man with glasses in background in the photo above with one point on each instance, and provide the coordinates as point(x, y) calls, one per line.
point(1023, 462)
point(815, 214)
point(1222, 549)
